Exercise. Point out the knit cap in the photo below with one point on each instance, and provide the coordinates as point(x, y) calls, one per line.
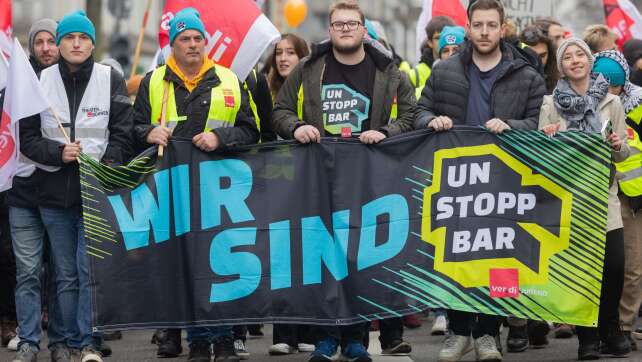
point(573, 41)
point(611, 70)
point(47, 25)
point(75, 22)
point(188, 18)
point(450, 35)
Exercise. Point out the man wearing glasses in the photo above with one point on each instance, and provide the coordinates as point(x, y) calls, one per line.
point(347, 88)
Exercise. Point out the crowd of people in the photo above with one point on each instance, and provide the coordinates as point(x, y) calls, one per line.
point(483, 75)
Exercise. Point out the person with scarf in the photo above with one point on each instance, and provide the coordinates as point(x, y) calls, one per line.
point(581, 102)
point(614, 67)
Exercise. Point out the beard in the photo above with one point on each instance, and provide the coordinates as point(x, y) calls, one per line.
point(485, 51)
point(347, 49)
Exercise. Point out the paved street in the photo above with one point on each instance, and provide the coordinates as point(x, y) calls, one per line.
point(135, 346)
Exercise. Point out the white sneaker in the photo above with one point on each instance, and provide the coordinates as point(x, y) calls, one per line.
point(305, 347)
point(439, 326)
point(240, 350)
point(281, 349)
point(13, 343)
point(90, 354)
point(455, 347)
point(486, 349)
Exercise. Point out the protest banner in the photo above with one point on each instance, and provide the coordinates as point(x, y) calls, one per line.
point(341, 232)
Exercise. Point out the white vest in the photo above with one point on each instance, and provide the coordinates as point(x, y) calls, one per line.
point(92, 117)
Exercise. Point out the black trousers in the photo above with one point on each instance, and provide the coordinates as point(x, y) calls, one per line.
point(292, 334)
point(390, 330)
point(7, 267)
point(465, 324)
point(612, 284)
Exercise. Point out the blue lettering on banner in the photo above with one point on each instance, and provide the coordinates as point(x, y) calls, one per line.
point(397, 209)
point(145, 211)
point(225, 262)
point(280, 260)
point(213, 197)
point(319, 246)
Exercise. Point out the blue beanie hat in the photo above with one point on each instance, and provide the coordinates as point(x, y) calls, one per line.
point(75, 22)
point(611, 70)
point(450, 35)
point(372, 33)
point(188, 18)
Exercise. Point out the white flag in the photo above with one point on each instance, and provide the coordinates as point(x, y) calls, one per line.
point(23, 97)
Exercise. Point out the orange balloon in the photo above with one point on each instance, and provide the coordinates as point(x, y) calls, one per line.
point(295, 12)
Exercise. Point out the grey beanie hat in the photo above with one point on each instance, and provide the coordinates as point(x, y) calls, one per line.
point(573, 41)
point(47, 25)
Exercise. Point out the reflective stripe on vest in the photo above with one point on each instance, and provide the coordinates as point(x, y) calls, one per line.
point(630, 170)
point(251, 99)
point(419, 77)
point(225, 100)
point(91, 126)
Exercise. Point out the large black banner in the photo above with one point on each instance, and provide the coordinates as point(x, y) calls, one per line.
point(341, 232)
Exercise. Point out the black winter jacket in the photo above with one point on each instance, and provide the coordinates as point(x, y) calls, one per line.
point(195, 106)
point(516, 96)
point(62, 188)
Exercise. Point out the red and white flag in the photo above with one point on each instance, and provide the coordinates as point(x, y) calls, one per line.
point(431, 8)
point(23, 97)
point(624, 19)
point(237, 31)
point(5, 27)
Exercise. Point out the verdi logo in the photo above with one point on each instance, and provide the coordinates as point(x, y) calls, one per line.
point(480, 225)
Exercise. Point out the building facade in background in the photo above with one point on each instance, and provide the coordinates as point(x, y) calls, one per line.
point(399, 18)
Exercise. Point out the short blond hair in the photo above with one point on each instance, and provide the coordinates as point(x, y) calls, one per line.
point(596, 35)
point(347, 5)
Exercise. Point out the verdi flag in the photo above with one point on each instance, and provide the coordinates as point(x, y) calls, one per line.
point(5, 27)
point(237, 31)
point(623, 17)
point(432, 8)
point(23, 97)
point(341, 232)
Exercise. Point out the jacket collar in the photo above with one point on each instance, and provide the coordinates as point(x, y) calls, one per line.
point(210, 75)
point(84, 73)
point(382, 58)
point(511, 57)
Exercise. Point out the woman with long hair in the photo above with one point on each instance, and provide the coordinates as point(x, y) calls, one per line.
point(581, 102)
point(286, 55)
point(542, 45)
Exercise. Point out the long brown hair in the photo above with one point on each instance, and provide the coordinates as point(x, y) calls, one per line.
point(275, 80)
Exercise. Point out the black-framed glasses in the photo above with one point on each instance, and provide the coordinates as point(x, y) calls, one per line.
point(341, 25)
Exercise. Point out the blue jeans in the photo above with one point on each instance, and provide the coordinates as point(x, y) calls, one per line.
point(207, 334)
point(68, 251)
point(27, 233)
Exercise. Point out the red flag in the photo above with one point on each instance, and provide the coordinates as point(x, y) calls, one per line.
point(237, 32)
point(5, 27)
point(23, 97)
point(431, 8)
point(624, 19)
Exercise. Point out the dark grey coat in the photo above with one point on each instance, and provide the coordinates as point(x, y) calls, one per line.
point(516, 96)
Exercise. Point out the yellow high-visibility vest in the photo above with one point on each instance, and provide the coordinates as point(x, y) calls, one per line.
point(418, 77)
point(225, 100)
point(630, 170)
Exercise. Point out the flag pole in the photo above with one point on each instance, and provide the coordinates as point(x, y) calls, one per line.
point(139, 44)
point(62, 129)
point(163, 120)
